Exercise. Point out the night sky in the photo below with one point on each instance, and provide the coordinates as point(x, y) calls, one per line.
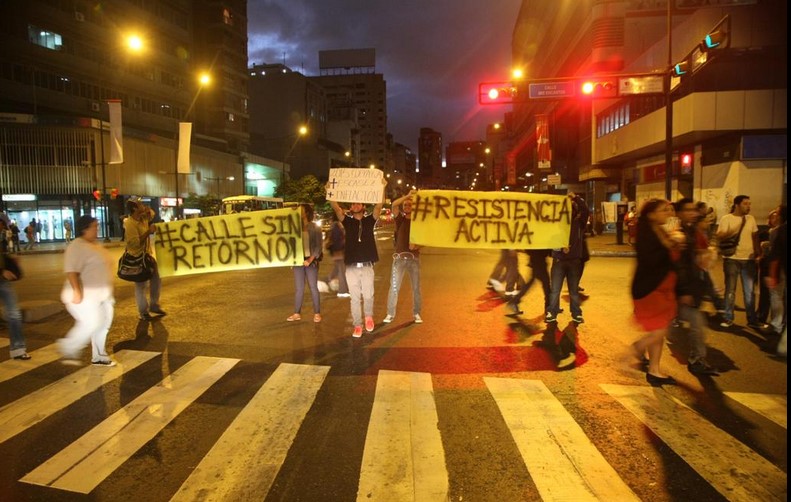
point(432, 53)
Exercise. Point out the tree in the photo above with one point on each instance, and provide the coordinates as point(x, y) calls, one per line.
point(208, 204)
point(305, 189)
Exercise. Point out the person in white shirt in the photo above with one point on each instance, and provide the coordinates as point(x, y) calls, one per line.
point(87, 294)
point(743, 263)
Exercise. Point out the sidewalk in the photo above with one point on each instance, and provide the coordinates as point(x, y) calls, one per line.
point(59, 247)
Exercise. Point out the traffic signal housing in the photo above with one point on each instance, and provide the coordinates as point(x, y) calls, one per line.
point(497, 93)
point(599, 88)
point(97, 194)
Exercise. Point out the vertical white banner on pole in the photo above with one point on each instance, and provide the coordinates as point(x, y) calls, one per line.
point(116, 132)
point(185, 136)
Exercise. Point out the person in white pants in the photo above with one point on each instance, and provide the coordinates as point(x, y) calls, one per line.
point(87, 294)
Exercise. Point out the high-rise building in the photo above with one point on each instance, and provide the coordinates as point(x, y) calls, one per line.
point(349, 79)
point(60, 64)
point(429, 153)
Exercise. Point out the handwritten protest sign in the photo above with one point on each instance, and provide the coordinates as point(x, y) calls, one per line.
point(355, 185)
point(271, 238)
point(493, 220)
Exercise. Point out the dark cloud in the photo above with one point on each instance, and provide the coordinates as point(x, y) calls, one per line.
point(432, 53)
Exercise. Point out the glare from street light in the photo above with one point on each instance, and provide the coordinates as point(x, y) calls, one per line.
point(303, 130)
point(135, 43)
point(204, 78)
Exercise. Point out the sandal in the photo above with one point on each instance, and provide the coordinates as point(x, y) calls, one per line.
point(294, 317)
point(22, 357)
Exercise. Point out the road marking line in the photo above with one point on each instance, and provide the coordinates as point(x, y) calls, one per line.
point(27, 411)
point(85, 463)
point(772, 406)
point(563, 463)
point(243, 463)
point(403, 457)
point(13, 368)
point(732, 468)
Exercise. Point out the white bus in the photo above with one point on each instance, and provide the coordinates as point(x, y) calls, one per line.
point(247, 203)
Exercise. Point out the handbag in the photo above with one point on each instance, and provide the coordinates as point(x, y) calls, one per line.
point(9, 263)
point(728, 246)
point(134, 268)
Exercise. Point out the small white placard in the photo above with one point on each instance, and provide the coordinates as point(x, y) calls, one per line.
point(355, 185)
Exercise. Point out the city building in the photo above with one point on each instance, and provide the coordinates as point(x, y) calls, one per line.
point(429, 173)
point(727, 131)
point(66, 67)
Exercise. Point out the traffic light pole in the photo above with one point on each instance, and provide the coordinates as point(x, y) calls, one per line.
point(669, 107)
point(105, 207)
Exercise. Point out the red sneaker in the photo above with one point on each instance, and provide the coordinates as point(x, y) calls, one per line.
point(369, 324)
point(358, 332)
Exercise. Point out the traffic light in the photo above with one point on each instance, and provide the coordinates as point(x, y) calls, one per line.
point(599, 88)
point(681, 68)
point(114, 193)
point(497, 93)
point(97, 194)
point(686, 160)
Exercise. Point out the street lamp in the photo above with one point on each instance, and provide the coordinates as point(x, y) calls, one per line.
point(134, 45)
point(204, 79)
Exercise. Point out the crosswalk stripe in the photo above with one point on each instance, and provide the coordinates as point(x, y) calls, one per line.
point(33, 408)
point(84, 464)
point(562, 461)
point(772, 406)
point(403, 458)
point(259, 436)
point(13, 368)
point(732, 468)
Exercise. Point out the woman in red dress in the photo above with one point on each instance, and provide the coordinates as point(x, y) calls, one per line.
point(653, 286)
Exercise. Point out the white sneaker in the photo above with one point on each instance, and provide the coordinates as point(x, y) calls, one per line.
point(388, 319)
point(497, 285)
point(418, 319)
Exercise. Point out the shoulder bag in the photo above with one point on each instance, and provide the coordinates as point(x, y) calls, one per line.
point(728, 246)
point(134, 268)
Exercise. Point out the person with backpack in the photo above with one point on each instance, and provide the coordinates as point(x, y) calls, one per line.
point(30, 234)
point(406, 259)
point(309, 270)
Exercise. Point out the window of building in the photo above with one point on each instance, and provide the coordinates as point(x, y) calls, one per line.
point(44, 38)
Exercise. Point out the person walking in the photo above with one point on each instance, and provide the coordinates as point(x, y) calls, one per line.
point(653, 287)
point(567, 265)
point(335, 243)
point(137, 230)
point(778, 268)
point(360, 255)
point(406, 259)
point(30, 235)
point(309, 270)
point(691, 286)
point(9, 274)
point(67, 230)
point(537, 262)
point(88, 294)
point(740, 225)
point(14, 245)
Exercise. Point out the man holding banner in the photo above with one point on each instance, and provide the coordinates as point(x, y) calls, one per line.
point(405, 259)
point(360, 251)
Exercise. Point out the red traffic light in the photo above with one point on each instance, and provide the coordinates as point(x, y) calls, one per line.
point(97, 194)
point(497, 93)
point(686, 160)
point(600, 88)
point(114, 193)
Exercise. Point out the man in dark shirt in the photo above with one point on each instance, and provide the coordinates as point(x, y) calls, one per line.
point(405, 259)
point(567, 264)
point(360, 254)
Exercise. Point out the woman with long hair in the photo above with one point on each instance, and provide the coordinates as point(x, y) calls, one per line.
point(653, 286)
point(312, 242)
point(88, 294)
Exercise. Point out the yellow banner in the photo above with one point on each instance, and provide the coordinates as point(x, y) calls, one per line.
point(493, 220)
point(271, 238)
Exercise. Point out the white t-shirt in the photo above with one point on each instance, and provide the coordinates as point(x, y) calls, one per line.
point(96, 268)
point(729, 224)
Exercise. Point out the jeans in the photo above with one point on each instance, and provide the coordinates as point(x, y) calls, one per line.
point(569, 270)
point(412, 267)
point(361, 287)
point(155, 287)
point(14, 316)
point(777, 311)
point(92, 322)
point(697, 338)
point(311, 273)
point(711, 292)
point(747, 270)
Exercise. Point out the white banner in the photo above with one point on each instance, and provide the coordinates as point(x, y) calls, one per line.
point(116, 132)
point(185, 137)
point(350, 184)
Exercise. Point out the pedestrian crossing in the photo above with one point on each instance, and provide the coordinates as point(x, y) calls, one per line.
point(404, 456)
